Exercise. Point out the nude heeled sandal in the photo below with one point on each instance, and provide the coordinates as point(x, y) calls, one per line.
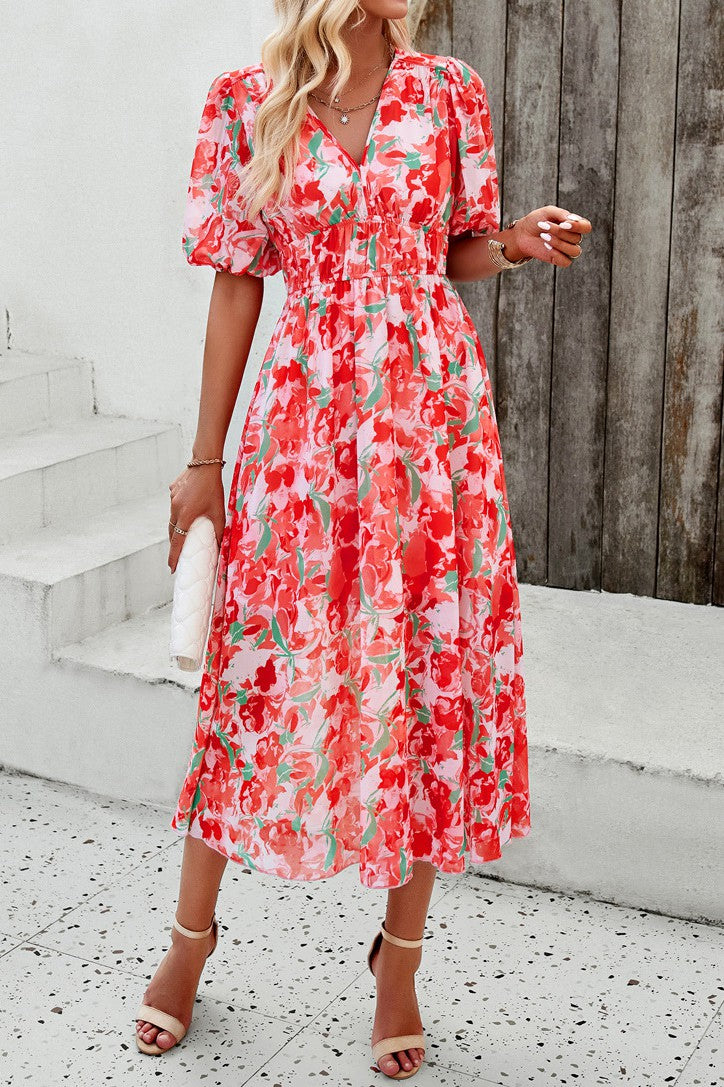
point(390, 1046)
point(162, 1019)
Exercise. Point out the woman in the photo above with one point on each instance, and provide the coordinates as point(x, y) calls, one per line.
point(362, 700)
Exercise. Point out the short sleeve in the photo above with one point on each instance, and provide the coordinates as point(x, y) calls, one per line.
point(216, 230)
point(475, 197)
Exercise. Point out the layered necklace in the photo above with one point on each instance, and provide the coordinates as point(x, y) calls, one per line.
point(345, 111)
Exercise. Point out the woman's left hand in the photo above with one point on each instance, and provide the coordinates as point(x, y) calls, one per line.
point(550, 234)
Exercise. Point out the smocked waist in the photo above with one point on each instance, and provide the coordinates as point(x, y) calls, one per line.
point(363, 249)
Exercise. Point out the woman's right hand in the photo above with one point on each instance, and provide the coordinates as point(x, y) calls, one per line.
point(197, 492)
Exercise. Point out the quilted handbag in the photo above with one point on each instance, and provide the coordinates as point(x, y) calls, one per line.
point(193, 592)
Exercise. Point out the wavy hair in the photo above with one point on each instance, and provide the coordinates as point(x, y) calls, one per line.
point(295, 58)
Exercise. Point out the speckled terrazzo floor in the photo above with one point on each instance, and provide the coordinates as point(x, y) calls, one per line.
point(518, 986)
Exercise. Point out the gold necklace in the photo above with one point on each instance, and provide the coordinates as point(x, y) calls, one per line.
point(345, 111)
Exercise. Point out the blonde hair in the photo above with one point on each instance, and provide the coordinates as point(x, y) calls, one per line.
point(295, 58)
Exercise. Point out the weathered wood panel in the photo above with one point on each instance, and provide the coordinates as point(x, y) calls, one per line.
point(718, 587)
point(692, 412)
point(615, 365)
point(637, 327)
point(435, 28)
point(525, 304)
point(587, 142)
point(479, 39)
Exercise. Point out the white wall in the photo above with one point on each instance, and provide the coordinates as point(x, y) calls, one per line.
point(99, 107)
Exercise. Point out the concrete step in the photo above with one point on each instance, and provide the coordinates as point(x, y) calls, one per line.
point(39, 390)
point(137, 649)
point(624, 700)
point(64, 585)
point(68, 472)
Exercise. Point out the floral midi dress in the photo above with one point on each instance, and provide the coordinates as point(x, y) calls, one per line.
point(362, 697)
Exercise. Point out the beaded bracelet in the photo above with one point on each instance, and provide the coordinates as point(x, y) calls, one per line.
point(196, 463)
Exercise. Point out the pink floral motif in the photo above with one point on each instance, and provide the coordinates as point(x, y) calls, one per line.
point(362, 699)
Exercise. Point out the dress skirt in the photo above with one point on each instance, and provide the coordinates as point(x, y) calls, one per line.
point(362, 698)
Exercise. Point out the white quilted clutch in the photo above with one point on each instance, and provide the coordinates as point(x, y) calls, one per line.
point(193, 593)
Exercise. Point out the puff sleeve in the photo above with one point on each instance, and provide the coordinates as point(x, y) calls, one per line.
point(216, 230)
point(475, 197)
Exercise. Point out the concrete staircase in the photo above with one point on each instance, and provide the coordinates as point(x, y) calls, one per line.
point(624, 693)
point(83, 546)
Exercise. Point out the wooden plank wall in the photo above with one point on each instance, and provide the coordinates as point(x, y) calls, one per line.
point(609, 375)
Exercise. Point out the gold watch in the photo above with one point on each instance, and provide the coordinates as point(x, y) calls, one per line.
point(497, 254)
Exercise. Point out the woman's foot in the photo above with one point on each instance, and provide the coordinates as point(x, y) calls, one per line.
point(173, 986)
point(397, 1011)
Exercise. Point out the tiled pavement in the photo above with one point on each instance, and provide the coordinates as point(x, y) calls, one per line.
point(518, 986)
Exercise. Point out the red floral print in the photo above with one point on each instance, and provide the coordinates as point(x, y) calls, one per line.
point(362, 699)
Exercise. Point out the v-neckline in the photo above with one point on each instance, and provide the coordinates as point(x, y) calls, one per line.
point(372, 131)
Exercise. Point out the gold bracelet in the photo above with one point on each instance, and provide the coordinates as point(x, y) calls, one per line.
point(497, 253)
point(196, 462)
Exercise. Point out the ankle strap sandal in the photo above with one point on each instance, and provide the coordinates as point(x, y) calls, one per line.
point(390, 1046)
point(162, 1019)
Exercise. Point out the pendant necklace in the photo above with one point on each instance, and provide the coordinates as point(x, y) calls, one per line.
point(345, 112)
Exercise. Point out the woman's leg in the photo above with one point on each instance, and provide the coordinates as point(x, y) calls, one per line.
point(397, 1011)
point(173, 987)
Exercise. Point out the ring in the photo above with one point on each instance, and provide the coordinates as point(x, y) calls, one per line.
point(180, 531)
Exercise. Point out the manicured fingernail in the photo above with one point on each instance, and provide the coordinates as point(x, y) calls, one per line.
point(574, 216)
point(544, 225)
point(546, 236)
point(566, 225)
point(547, 245)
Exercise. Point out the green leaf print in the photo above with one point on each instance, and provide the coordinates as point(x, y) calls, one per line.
point(231, 753)
point(381, 743)
point(415, 481)
point(487, 764)
point(370, 831)
point(284, 772)
point(297, 823)
point(457, 744)
point(413, 160)
point(236, 630)
point(307, 696)
point(323, 505)
point(472, 424)
point(451, 582)
point(314, 145)
point(264, 540)
point(197, 799)
point(403, 865)
point(264, 444)
point(477, 556)
point(278, 636)
point(412, 333)
point(248, 772)
point(503, 779)
point(322, 771)
point(385, 658)
point(331, 852)
point(234, 141)
point(372, 252)
point(242, 697)
point(376, 393)
point(503, 521)
point(300, 565)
